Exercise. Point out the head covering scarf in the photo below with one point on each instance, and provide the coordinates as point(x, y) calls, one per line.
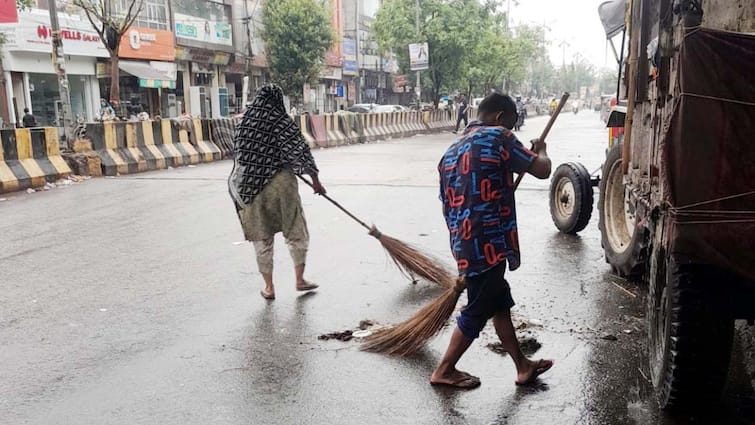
point(266, 141)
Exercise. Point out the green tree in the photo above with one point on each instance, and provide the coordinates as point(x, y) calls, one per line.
point(579, 73)
point(297, 34)
point(607, 80)
point(525, 46)
point(449, 27)
point(111, 23)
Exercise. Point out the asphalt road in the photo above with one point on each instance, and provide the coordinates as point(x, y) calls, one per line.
point(133, 300)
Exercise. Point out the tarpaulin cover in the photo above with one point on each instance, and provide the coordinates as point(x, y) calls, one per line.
point(710, 152)
point(612, 16)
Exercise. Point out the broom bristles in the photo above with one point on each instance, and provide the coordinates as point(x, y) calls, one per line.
point(413, 262)
point(412, 335)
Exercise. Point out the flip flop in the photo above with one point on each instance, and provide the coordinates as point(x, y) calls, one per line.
point(267, 296)
point(465, 383)
point(542, 367)
point(307, 287)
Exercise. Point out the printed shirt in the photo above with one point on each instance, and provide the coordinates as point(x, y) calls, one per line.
point(477, 191)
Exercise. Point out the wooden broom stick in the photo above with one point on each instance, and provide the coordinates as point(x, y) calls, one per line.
point(547, 129)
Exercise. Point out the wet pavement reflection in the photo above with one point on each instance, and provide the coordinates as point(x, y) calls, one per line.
point(184, 337)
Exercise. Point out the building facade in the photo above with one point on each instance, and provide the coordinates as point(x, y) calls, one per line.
point(195, 56)
point(30, 80)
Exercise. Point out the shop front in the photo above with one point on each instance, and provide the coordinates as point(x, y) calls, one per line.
point(147, 73)
point(202, 87)
point(234, 78)
point(30, 78)
point(204, 39)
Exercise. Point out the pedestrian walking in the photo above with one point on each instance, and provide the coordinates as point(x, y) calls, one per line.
point(463, 113)
point(269, 153)
point(477, 191)
point(28, 120)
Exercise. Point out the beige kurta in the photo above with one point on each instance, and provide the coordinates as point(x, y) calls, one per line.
point(276, 209)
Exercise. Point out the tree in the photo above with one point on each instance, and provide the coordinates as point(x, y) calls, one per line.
point(297, 34)
point(607, 80)
point(111, 24)
point(449, 27)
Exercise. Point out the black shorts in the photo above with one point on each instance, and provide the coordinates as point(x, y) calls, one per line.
point(487, 294)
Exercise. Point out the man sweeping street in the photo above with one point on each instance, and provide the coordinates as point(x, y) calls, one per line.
point(269, 153)
point(477, 190)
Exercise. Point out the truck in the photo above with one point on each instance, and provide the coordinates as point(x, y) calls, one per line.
point(677, 188)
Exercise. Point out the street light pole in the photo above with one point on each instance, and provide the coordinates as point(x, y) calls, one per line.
point(418, 90)
point(59, 62)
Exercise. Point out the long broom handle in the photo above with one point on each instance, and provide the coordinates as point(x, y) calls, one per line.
point(547, 129)
point(333, 201)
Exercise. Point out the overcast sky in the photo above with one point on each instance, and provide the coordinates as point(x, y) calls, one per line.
point(574, 21)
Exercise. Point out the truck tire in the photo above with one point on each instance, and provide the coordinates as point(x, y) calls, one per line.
point(571, 198)
point(690, 334)
point(623, 239)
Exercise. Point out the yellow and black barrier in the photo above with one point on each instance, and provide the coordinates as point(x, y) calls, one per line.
point(29, 158)
point(134, 147)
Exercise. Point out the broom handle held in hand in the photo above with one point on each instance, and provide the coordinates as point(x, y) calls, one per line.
point(547, 129)
point(337, 204)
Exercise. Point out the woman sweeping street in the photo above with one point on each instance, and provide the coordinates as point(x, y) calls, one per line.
point(269, 153)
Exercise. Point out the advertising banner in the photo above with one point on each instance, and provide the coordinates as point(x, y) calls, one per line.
point(148, 44)
point(350, 64)
point(419, 56)
point(200, 29)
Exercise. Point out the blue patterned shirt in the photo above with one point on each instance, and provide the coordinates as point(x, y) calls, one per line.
point(476, 188)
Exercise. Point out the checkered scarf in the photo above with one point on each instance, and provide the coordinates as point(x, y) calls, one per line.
point(266, 141)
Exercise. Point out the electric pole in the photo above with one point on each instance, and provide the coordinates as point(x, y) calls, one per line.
point(59, 62)
point(418, 90)
point(358, 84)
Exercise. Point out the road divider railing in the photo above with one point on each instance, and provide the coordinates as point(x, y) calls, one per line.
point(30, 158)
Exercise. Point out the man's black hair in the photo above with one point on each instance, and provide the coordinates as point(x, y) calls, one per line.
point(26, 110)
point(497, 102)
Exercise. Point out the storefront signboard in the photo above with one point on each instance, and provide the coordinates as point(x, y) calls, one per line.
point(147, 44)
point(32, 33)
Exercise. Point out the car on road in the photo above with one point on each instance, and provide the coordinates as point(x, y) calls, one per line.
point(389, 108)
point(361, 108)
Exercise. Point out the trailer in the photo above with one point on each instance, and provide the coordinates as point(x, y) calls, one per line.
point(677, 189)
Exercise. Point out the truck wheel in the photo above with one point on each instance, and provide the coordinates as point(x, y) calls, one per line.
point(690, 334)
point(624, 241)
point(571, 198)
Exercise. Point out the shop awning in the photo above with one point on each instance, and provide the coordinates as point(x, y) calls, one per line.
point(149, 76)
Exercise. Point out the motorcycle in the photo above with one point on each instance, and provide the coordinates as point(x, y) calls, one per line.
point(520, 120)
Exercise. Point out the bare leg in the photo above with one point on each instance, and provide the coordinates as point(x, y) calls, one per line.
point(446, 373)
point(298, 250)
point(264, 250)
point(526, 369)
point(299, 270)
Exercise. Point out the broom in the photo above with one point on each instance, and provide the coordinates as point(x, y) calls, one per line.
point(409, 260)
point(412, 335)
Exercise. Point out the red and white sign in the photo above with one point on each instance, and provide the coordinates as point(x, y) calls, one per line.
point(8, 11)
point(32, 33)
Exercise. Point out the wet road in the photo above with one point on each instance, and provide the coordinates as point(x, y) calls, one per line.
point(132, 301)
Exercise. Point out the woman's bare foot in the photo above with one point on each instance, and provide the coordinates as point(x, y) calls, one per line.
point(268, 294)
point(455, 378)
point(533, 370)
point(306, 286)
